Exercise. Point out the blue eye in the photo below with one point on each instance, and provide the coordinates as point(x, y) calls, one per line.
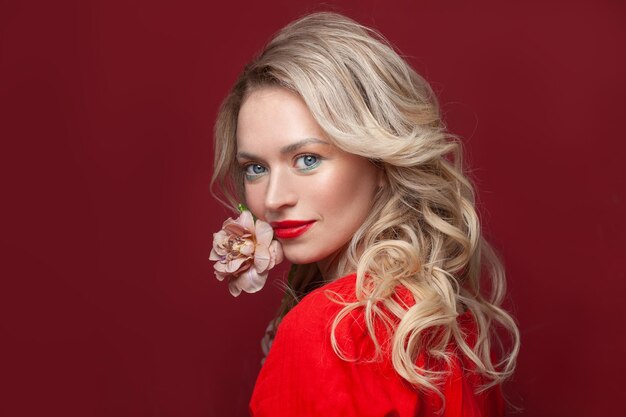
point(307, 162)
point(254, 170)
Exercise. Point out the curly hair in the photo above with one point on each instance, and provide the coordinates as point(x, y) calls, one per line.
point(423, 232)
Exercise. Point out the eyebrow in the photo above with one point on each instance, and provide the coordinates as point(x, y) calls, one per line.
point(287, 149)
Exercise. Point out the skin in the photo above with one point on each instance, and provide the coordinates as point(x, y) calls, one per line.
point(294, 172)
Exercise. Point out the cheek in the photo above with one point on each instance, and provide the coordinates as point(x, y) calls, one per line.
point(254, 200)
point(347, 192)
point(334, 193)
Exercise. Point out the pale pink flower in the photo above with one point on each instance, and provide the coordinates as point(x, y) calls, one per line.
point(244, 253)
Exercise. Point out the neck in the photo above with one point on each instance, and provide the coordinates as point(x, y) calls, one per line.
point(329, 266)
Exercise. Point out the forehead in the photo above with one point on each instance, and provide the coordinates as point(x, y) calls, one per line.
point(274, 117)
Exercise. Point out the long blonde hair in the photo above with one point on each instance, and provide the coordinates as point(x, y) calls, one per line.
point(423, 233)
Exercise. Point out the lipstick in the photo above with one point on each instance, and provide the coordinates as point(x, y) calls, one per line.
point(289, 229)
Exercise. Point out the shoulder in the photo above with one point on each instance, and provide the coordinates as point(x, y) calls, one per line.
point(314, 315)
point(304, 376)
point(342, 288)
point(312, 320)
point(321, 304)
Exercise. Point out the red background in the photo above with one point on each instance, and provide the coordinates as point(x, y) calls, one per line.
point(108, 306)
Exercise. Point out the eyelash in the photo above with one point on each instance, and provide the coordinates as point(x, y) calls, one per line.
point(253, 176)
point(310, 167)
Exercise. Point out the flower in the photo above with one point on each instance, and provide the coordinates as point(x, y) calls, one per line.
point(244, 251)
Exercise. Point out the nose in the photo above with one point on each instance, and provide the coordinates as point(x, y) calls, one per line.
point(281, 191)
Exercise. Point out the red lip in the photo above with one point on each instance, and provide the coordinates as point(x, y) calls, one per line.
point(289, 229)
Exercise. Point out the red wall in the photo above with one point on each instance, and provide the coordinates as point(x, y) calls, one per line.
point(108, 306)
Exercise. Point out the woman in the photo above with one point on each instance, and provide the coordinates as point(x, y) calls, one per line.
point(331, 138)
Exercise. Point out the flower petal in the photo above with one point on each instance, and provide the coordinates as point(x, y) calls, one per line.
point(246, 220)
point(276, 254)
point(261, 258)
point(220, 276)
point(220, 267)
point(220, 251)
point(264, 233)
point(233, 228)
point(247, 249)
point(220, 239)
point(214, 256)
point(236, 265)
point(250, 281)
point(233, 289)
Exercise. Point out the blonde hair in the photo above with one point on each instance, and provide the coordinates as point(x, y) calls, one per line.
point(423, 233)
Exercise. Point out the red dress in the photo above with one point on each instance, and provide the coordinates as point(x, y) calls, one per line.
point(302, 376)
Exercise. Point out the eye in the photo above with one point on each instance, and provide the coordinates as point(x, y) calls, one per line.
point(307, 162)
point(254, 170)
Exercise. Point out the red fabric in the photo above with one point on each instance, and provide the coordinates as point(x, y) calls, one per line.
point(302, 375)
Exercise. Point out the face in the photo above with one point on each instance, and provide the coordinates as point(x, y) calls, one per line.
point(313, 194)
